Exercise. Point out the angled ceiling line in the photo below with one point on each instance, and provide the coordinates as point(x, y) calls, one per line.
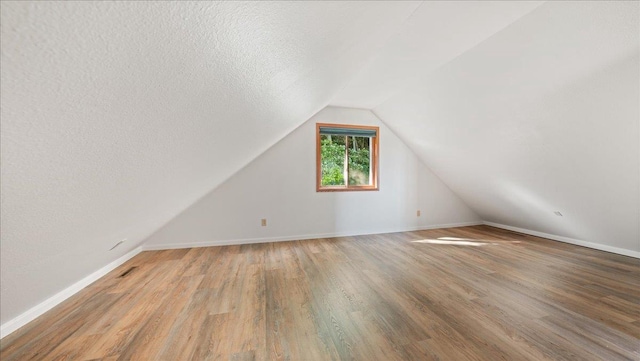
point(377, 53)
point(424, 163)
point(413, 80)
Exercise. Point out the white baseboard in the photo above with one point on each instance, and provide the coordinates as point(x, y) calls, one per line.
point(601, 247)
point(298, 237)
point(31, 314)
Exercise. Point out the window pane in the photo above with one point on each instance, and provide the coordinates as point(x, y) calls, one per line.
point(332, 156)
point(359, 161)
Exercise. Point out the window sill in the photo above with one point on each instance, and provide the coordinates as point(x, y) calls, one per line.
point(347, 189)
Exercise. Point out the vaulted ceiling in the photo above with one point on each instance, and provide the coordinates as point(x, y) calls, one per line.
point(435, 33)
point(542, 116)
point(117, 116)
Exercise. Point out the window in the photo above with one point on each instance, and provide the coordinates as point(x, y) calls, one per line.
point(346, 157)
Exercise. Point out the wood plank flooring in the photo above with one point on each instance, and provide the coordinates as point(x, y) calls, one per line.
point(469, 293)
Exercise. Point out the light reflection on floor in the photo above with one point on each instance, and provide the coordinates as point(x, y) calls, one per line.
point(454, 241)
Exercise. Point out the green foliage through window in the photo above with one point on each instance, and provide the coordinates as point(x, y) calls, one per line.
point(333, 154)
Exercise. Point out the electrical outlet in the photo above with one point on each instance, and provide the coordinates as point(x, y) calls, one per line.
point(418, 213)
point(264, 222)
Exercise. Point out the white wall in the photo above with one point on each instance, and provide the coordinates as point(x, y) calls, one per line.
point(543, 116)
point(116, 116)
point(280, 186)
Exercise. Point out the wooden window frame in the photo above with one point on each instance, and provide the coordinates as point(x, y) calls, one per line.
point(374, 153)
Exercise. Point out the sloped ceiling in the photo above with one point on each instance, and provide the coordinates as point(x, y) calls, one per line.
point(118, 115)
point(436, 33)
point(543, 116)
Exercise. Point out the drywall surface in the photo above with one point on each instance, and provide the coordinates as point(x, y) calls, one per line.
point(116, 116)
point(280, 186)
point(542, 117)
point(436, 33)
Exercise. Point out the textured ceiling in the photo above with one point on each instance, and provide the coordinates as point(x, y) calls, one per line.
point(118, 115)
point(541, 117)
point(436, 33)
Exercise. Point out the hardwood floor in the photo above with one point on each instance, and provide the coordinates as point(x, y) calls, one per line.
point(470, 293)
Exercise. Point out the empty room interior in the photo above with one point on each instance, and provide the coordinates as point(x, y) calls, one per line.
point(309, 180)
